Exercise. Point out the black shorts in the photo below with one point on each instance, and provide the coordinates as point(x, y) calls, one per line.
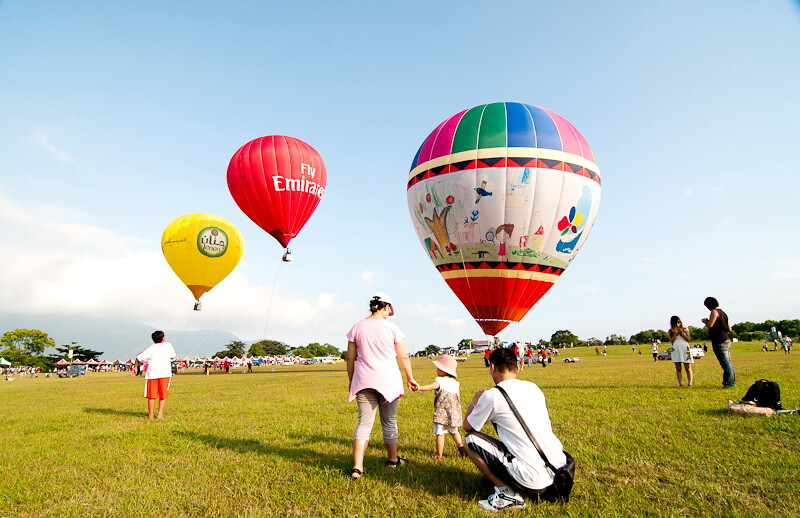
point(497, 457)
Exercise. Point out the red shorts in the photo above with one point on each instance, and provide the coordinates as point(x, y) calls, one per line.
point(157, 388)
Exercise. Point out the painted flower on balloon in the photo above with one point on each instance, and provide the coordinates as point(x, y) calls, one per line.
point(571, 222)
point(571, 226)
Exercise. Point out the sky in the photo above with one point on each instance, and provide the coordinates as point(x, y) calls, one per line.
point(118, 117)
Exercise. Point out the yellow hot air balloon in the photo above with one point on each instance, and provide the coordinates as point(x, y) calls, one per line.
point(202, 249)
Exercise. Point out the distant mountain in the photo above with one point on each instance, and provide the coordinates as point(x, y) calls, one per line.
point(118, 339)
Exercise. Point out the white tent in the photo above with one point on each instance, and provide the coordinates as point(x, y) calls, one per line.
point(3, 361)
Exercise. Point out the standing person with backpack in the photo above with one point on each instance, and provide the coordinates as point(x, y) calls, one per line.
point(718, 330)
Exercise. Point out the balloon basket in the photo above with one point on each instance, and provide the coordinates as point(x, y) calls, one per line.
point(198, 306)
point(287, 256)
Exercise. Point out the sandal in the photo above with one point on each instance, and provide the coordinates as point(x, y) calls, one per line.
point(436, 457)
point(356, 474)
point(399, 462)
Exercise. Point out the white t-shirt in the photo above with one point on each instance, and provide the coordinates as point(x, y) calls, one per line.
point(158, 358)
point(527, 467)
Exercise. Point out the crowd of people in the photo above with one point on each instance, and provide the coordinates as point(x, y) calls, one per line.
point(524, 458)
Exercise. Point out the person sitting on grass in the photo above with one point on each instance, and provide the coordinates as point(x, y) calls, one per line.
point(158, 358)
point(512, 463)
point(446, 405)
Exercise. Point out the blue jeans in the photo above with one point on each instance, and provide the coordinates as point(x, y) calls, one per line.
point(723, 353)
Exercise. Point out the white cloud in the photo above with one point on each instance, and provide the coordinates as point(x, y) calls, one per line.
point(368, 276)
point(419, 310)
point(41, 140)
point(589, 289)
point(650, 258)
point(788, 269)
point(56, 265)
point(688, 191)
point(451, 323)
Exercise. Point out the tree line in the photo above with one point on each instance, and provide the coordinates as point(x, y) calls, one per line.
point(744, 331)
point(275, 348)
point(27, 346)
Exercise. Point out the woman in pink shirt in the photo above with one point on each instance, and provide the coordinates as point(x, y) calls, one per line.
point(373, 347)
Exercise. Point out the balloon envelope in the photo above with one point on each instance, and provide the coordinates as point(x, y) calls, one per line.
point(502, 197)
point(277, 181)
point(202, 249)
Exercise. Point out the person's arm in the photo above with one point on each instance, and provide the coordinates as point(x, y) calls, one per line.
point(467, 426)
point(685, 333)
point(405, 363)
point(672, 334)
point(350, 358)
point(431, 386)
point(711, 319)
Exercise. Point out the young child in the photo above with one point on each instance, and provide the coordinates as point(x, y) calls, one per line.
point(446, 405)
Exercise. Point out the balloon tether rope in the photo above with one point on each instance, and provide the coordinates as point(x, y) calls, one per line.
point(271, 297)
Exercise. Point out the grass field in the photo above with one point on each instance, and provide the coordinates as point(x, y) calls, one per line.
point(278, 444)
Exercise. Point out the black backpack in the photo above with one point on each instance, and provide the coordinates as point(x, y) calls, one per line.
point(764, 393)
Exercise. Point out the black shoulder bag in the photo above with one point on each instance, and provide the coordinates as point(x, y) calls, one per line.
point(564, 476)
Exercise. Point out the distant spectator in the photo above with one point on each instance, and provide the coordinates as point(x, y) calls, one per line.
point(681, 353)
point(718, 330)
point(158, 359)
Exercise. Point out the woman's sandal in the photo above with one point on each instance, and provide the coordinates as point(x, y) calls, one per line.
point(356, 474)
point(399, 462)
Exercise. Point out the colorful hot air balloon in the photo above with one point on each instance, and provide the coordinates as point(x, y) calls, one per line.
point(502, 197)
point(202, 249)
point(277, 181)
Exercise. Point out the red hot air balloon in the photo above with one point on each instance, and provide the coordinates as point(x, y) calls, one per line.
point(277, 181)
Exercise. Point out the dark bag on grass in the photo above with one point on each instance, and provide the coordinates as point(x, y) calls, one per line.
point(764, 393)
point(563, 477)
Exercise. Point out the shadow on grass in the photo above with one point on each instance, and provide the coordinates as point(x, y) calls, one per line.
point(112, 411)
point(429, 476)
point(715, 412)
point(404, 450)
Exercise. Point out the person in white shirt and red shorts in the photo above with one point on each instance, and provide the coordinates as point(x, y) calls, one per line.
point(158, 374)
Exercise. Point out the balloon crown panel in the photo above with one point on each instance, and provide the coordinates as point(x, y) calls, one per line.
point(502, 197)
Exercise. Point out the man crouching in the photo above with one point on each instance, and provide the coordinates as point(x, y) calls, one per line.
point(512, 463)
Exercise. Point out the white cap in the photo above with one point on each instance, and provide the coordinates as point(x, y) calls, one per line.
point(382, 297)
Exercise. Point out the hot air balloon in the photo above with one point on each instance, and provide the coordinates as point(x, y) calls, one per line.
point(202, 249)
point(277, 181)
point(502, 197)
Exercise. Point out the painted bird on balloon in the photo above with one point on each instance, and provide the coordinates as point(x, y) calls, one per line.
point(482, 191)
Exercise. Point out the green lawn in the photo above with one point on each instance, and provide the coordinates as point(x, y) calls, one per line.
point(278, 444)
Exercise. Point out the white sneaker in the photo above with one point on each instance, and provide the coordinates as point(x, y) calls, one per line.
point(502, 499)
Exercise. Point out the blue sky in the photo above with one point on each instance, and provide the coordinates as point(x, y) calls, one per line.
point(118, 117)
